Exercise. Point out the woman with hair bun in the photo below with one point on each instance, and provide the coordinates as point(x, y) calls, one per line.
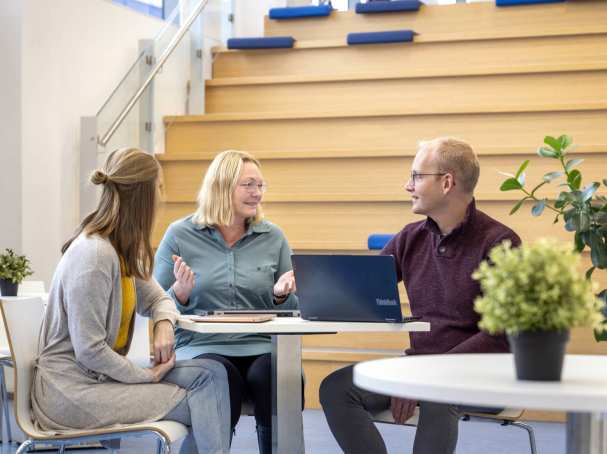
point(83, 379)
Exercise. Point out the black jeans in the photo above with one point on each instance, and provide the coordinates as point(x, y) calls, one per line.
point(347, 409)
point(249, 378)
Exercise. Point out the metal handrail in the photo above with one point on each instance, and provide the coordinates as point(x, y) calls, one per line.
point(161, 60)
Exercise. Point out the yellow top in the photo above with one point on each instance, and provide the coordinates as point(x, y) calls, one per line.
point(129, 299)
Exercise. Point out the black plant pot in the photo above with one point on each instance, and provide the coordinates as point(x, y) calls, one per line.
point(7, 288)
point(538, 355)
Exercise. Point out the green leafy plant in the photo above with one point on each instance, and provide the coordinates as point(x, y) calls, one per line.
point(582, 209)
point(536, 287)
point(13, 267)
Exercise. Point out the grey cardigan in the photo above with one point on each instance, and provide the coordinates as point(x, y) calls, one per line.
point(80, 381)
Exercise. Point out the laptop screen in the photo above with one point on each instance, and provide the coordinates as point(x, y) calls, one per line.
point(353, 288)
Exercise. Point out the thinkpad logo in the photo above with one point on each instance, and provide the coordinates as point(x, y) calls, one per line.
point(385, 302)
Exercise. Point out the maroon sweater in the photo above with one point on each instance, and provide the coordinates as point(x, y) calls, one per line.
point(437, 273)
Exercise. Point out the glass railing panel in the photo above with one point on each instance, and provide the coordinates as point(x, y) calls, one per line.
point(174, 70)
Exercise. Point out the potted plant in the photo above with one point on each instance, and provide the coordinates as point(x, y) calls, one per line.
point(582, 209)
point(535, 294)
point(13, 269)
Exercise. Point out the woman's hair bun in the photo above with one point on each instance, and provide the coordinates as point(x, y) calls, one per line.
point(99, 177)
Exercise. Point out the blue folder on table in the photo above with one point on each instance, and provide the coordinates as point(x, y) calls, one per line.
point(347, 288)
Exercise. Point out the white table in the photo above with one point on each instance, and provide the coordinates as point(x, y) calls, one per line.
point(286, 332)
point(489, 379)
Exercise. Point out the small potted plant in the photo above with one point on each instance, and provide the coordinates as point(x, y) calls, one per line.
point(535, 294)
point(13, 269)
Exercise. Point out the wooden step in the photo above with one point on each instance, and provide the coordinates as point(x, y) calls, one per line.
point(335, 226)
point(462, 21)
point(441, 95)
point(368, 179)
point(418, 59)
point(268, 137)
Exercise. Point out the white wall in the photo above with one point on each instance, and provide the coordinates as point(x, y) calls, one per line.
point(249, 16)
point(73, 54)
point(63, 58)
point(10, 125)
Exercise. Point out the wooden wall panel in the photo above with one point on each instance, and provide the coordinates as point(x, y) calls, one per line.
point(368, 179)
point(202, 137)
point(502, 93)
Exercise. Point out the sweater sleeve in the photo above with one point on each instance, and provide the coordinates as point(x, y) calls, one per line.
point(481, 342)
point(153, 302)
point(394, 248)
point(88, 296)
point(163, 264)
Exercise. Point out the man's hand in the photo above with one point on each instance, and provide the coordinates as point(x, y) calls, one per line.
point(284, 285)
point(164, 341)
point(402, 409)
point(184, 280)
point(161, 369)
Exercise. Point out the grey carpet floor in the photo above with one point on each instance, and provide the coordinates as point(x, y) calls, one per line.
point(474, 438)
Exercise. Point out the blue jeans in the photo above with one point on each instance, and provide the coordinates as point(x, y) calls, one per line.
point(206, 407)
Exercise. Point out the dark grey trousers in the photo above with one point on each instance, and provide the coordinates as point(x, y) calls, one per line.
point(348, 411)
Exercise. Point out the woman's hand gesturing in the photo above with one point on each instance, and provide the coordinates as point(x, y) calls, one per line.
point(184, 280)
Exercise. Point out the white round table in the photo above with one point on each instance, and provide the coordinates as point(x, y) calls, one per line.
point(489, 379)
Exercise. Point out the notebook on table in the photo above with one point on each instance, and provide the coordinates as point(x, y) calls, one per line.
point(348, 288)
point(232, 318)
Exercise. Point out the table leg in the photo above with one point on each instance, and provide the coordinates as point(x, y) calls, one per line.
point(287, 420)
point(586, 433)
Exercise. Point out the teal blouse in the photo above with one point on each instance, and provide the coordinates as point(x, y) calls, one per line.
point(240, 277)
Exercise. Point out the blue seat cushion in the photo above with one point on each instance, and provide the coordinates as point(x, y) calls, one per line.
point(523, 2)
point(395, 36)
point(274, 42)
point(378, 240)
point(388, 6)
point(297, 12)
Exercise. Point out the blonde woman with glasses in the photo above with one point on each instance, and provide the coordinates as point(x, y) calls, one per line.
point(83, 379)
point(226, 256)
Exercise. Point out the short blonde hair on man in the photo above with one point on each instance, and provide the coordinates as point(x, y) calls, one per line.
point(215, 198)
point(456, 157)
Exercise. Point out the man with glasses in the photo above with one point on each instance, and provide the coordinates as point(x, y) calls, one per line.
point(435, 259)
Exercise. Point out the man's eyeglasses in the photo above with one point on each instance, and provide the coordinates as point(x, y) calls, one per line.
point(417, 177)
point(251, 186)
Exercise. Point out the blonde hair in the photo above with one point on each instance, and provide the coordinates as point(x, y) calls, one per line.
point(457, 157)
point(126, 209)
point(215, 198)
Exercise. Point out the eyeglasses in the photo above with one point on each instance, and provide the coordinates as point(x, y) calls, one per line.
point(417, 177)
point(251, 186)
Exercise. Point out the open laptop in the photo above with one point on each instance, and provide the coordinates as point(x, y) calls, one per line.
point(347, 288)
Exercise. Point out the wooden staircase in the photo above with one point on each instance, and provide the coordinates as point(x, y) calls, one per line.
point(336, 127)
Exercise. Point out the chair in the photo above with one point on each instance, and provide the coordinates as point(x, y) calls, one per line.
point(5, 360)
point(139, 352)
point(31, 288)
point(26, 314)
point(506, 417)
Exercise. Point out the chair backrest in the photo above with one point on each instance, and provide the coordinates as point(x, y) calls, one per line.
point(4, 348)
point(31, 288)
point(139, 353)
point(22, 321)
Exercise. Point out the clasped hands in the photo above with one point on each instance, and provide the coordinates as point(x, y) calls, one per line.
point(164, 353)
